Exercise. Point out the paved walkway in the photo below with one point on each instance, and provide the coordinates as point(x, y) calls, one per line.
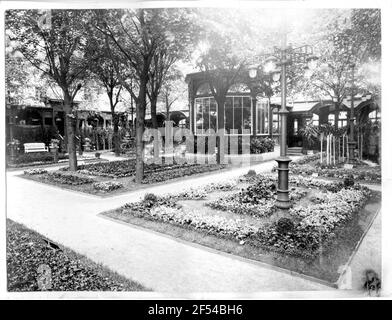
point(158, 262)
point(368, 255)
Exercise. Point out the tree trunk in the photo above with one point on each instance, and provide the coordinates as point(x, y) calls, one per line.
point(167, 107)
point(78, 133)
point(70, 133)
point(116, 136)
point(337, 110)
point(154, 119)
point(140, 115)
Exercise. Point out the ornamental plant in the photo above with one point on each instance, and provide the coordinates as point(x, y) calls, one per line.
point(191, 194)
point(35, 171)
point(238, 228)
point(233, 203)
point(284, 225)
point(67, 178)
point(261, 145)
point(107, 186)
point(221, 186)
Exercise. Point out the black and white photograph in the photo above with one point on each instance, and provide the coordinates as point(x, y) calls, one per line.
point(195, 150)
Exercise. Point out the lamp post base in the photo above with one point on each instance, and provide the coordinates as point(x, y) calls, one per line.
point(282, 199)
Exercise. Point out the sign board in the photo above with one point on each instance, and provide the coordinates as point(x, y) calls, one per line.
point(348, 166)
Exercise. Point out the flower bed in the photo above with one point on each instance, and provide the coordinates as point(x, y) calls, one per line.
point(35, 171)
point(234, 204)
point(177, 171)
point(191, 194)
point(237, 228)
point(257, 200)
point(107, 186)
point(35, 158)
point(310, 226)
point(360, 173)
point(327, 220)
point(296, 181)
point(26, 252)
point(166, 209)
point(310, 166)
point(67, 178)
point(203, 191)
point(314, 225)
point(307, 159)
point(153, 172)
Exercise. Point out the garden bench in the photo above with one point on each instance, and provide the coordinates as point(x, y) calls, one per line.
point(35, 147)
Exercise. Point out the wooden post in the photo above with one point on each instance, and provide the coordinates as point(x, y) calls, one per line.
point(321, 149)
point(327, 149)
point(359, 146)
point(339, 158)
point(332, 150)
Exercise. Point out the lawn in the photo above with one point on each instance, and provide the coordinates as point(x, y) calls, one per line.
point(108, 178)
point(315, 237)
point(29, 256)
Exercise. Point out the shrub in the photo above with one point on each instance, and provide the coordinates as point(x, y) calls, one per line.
point(284, 226)
point(261, 145)
point(348, 181)
point(251, 173)
point(107, 186)
point(258, 192)
point(150, 199)
point(27, 158)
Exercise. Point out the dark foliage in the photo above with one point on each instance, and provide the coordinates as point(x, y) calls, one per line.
point(27, 158)
point(67, 178)
point(26, 252)
point(284, 225)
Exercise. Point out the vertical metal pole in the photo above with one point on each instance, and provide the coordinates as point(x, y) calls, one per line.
point(282, 200)
point(351, 143)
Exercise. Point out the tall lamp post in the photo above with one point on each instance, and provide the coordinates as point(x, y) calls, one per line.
point(283, 58)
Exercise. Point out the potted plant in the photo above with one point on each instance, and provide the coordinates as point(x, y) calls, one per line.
point(54, 147)
point(87, 144)
point(310, 134)
point(14, 148)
